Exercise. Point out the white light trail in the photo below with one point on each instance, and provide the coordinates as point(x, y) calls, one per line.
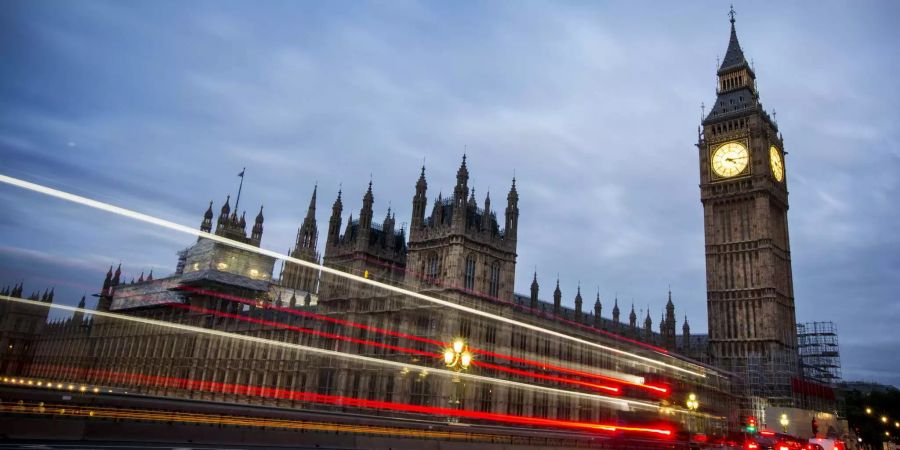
point(194, 232)
point(619, 402)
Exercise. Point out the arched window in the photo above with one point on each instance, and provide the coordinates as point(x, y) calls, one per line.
point(494, 280)
point(432, 267)
point(470, 272)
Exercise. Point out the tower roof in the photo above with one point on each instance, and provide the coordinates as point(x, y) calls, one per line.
point(734, 56)
point(311, 210)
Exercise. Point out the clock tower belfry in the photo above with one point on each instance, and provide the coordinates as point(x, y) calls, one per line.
point(743, 188)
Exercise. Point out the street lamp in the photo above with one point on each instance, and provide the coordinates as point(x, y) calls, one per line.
point(784, 422)
point(457, 356)
point(692, 403)
point(868, 410)
point(884, 419)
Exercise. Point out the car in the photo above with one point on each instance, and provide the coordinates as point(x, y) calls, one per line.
point(828, 444)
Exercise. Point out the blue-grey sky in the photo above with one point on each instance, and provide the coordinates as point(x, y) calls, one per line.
point(594, 106)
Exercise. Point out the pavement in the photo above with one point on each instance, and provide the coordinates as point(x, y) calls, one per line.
point(72, 445)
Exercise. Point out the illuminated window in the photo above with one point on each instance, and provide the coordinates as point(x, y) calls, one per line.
point(221, 266)
point(470, 272)
point(254, 272)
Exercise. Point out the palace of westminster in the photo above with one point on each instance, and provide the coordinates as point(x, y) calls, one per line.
point(458, 250)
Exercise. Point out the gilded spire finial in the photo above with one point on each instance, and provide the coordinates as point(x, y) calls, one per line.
point(731, 14)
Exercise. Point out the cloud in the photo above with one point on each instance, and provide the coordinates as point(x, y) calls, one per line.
point(594, 107)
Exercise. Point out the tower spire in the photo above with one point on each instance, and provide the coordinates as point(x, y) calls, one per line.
point(734, 56)
point(240, 187)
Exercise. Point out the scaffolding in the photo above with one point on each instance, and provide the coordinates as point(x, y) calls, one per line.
point(764, 380)
point(820, 358)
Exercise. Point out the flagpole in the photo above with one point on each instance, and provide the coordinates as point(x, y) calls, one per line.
point(238, 201)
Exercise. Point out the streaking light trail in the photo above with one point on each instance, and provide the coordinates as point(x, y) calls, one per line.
point(412, 351)
point(618, 378)
point(621, 403)
point(247, 421)
point(399, 290)
point(303, 396)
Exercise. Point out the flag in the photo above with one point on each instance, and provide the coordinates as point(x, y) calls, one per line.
point(242, 173)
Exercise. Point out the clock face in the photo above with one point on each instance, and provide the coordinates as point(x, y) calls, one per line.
point(777, 163)
point(730, 159)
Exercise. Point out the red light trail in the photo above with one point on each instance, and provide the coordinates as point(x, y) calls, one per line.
point(611, 389)
point(654, 388)
point(303, 396)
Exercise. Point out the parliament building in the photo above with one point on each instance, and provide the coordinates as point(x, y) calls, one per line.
point(462, 252)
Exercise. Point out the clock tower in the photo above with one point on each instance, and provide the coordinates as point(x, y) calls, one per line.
point(743, 188)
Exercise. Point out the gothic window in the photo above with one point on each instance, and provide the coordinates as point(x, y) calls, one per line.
point(494, 280)
point(432, 267)
point(490, 335)
point(470, 272)
point(326, 381)
point(584, 410)
point(515, 400)
point(465, 328)
point(540, 405)
point(562, 408)
point(389, 388)
point(487, 397)
point(420, 391)
point(373, 386)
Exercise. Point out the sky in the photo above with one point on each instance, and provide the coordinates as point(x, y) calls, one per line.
point(592, 106)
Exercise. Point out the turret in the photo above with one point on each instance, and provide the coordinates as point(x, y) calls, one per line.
point(117, 277)
point(460, 193)
point(598, 308)
point(512, 213)
point(78, 316)
point(365, 214)
point(534, 292)
point(334, 223)
point(308, 234)
point(615, 313)
point(419, 203)
point(223, 214)
point(557, 299)
point(206, 225)
point(670, 310)
point(388, 227)
point(256, 234)
point(632, 318)
point(486, 217)
point(578, 303)
point(648, 325)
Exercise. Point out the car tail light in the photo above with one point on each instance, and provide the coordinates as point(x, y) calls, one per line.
point(783, 446)
point(750, 445)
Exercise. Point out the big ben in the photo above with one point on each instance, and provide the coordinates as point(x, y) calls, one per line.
point(743, 188)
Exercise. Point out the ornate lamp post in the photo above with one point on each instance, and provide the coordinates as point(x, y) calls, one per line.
point(693, 404)
point(458, 358)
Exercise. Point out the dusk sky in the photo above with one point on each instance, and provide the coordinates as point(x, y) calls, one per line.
point(594, 106)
